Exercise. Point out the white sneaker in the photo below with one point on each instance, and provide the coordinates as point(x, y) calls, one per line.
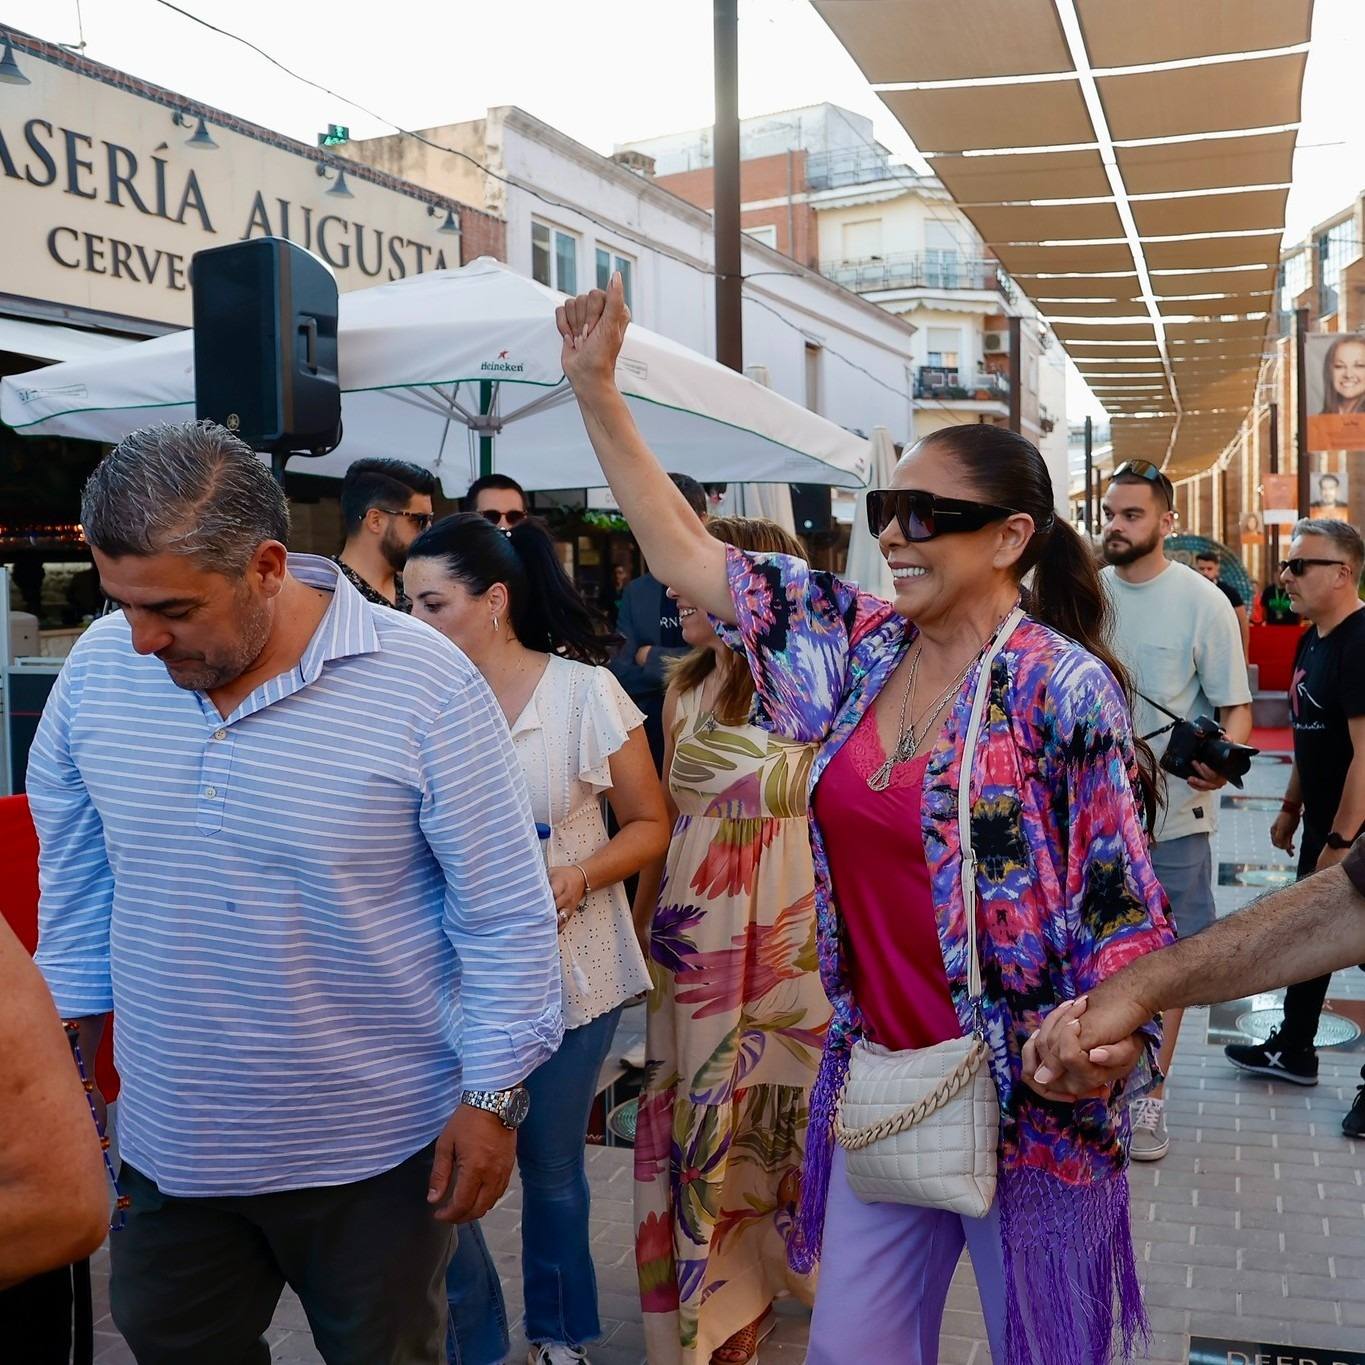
point(1150, 1141)
point(556, 1353)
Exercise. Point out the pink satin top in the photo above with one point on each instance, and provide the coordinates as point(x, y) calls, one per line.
point(881, 890)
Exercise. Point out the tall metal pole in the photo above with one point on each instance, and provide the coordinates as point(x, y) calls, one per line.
point(1301, 395)
point(1089, 477)
point(729, 281)
point(1016, 374)
point(1274, 531)
point(486, 397)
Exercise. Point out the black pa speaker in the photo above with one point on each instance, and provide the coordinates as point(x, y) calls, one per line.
point(811, 508)
point(265, 345)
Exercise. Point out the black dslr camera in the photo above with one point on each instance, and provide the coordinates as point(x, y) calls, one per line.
point(1203, 740)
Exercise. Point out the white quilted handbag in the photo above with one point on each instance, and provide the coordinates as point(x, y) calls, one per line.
point(923, 1126)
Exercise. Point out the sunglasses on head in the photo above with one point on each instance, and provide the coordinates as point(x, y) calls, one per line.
point(923, 516)
point(493, 516)
point(1145, 469)
point(1297, 567)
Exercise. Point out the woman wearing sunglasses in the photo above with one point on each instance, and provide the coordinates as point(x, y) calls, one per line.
point(1057, 794)
point(504, 598)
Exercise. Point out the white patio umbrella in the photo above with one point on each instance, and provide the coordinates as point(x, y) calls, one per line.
point(431, 363)
point(866, 566)
point(772, 501)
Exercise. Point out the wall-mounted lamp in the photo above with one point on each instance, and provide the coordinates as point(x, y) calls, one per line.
point(9, 68)
point(200, 137)
point(450, 225)
point(339, 187)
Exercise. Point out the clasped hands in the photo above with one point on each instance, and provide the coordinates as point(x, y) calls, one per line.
point(1085, 1046)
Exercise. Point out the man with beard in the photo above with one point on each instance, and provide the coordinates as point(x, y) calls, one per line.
point(1178, 637)
point(386, 505)
point(284, 837)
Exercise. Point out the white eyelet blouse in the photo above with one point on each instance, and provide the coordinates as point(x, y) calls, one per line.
point(577, 717)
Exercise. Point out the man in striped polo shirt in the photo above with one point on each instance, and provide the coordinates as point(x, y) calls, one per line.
point(285, 840)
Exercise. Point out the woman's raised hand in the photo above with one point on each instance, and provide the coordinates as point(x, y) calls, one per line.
point(593, 327)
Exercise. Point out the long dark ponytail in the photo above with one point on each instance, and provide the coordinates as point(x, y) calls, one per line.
point(547, 611)
point(1007, 469)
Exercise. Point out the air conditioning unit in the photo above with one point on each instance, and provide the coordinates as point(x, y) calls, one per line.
point(996, 343)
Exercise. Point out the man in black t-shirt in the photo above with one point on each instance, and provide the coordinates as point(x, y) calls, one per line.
point(1327, 781)
point(1208, 562)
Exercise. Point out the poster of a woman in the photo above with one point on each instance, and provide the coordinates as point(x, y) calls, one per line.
point(1335, 377)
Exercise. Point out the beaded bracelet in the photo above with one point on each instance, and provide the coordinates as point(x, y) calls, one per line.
point(121, 1200)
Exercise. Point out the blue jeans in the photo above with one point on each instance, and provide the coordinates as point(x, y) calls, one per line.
point(556, 1264)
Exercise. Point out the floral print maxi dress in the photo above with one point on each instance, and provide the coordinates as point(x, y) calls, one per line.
point(737, 1019)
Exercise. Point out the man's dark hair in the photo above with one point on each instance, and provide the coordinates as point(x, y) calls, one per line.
point(502, 481)
point(190, 489)
point(1208, 557)
point(693, 492)
point(1161, 488)
point(381, 483)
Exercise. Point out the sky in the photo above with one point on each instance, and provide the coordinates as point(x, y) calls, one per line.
point(603, 71)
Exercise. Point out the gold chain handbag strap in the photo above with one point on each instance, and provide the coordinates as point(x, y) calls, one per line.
point(855, 1139)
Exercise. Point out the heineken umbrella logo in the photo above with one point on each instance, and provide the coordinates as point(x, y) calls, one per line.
point(502, 365)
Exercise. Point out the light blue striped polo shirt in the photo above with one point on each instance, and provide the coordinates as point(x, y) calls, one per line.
point(315, 920)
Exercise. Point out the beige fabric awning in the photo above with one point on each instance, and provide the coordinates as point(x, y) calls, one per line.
point(937, 45)
point(1128, 164)
point(1121, 34)
point(969, 116)
point(1037, 175)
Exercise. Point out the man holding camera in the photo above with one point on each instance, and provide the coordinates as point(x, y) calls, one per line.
point(1327, 782)
point(1178, 637)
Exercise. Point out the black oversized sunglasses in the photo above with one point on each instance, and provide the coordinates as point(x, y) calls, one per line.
point(1298, 567)
point(922, 516)
point(496, 518)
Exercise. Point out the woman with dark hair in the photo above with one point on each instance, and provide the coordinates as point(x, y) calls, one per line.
point(1053, 798)
point(737, 1014)
point(505, 599)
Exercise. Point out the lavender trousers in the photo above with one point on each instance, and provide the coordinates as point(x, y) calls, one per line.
point(884, 1277)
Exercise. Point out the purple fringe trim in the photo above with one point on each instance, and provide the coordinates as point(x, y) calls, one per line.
point(803, 1248)
point(1071, 1281)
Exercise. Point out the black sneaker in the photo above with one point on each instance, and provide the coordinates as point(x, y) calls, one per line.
point(1353, 1125)
point(1272, 1058)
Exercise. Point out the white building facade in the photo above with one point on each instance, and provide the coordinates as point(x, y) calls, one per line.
point(896, 238)
point(573, 216)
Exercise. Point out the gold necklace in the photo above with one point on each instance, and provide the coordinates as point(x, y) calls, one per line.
point(913, 736)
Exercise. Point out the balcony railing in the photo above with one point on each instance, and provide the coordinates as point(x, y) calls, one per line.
point(846, 166)
point(918, 270)
point(950, 385)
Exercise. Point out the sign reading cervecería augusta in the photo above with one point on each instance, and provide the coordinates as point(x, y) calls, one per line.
point(102, 203)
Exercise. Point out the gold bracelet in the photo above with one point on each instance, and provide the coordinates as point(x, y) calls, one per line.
point(587, 885)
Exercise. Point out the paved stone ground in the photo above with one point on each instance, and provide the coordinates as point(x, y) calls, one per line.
point(1252, 1227)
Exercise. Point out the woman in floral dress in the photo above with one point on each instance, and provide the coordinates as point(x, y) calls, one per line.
point(736, 1015)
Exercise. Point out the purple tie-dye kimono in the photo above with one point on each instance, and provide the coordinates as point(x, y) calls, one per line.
point(1067, 896)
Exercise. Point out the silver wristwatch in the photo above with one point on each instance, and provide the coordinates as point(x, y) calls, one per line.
point(511, 1106)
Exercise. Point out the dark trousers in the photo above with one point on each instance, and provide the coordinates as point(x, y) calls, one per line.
point(1303, 1003)
point(35, 1319)
point(197, 1281)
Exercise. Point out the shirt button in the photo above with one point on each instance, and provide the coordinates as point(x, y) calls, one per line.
point(210, 792)
point(220, 734)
